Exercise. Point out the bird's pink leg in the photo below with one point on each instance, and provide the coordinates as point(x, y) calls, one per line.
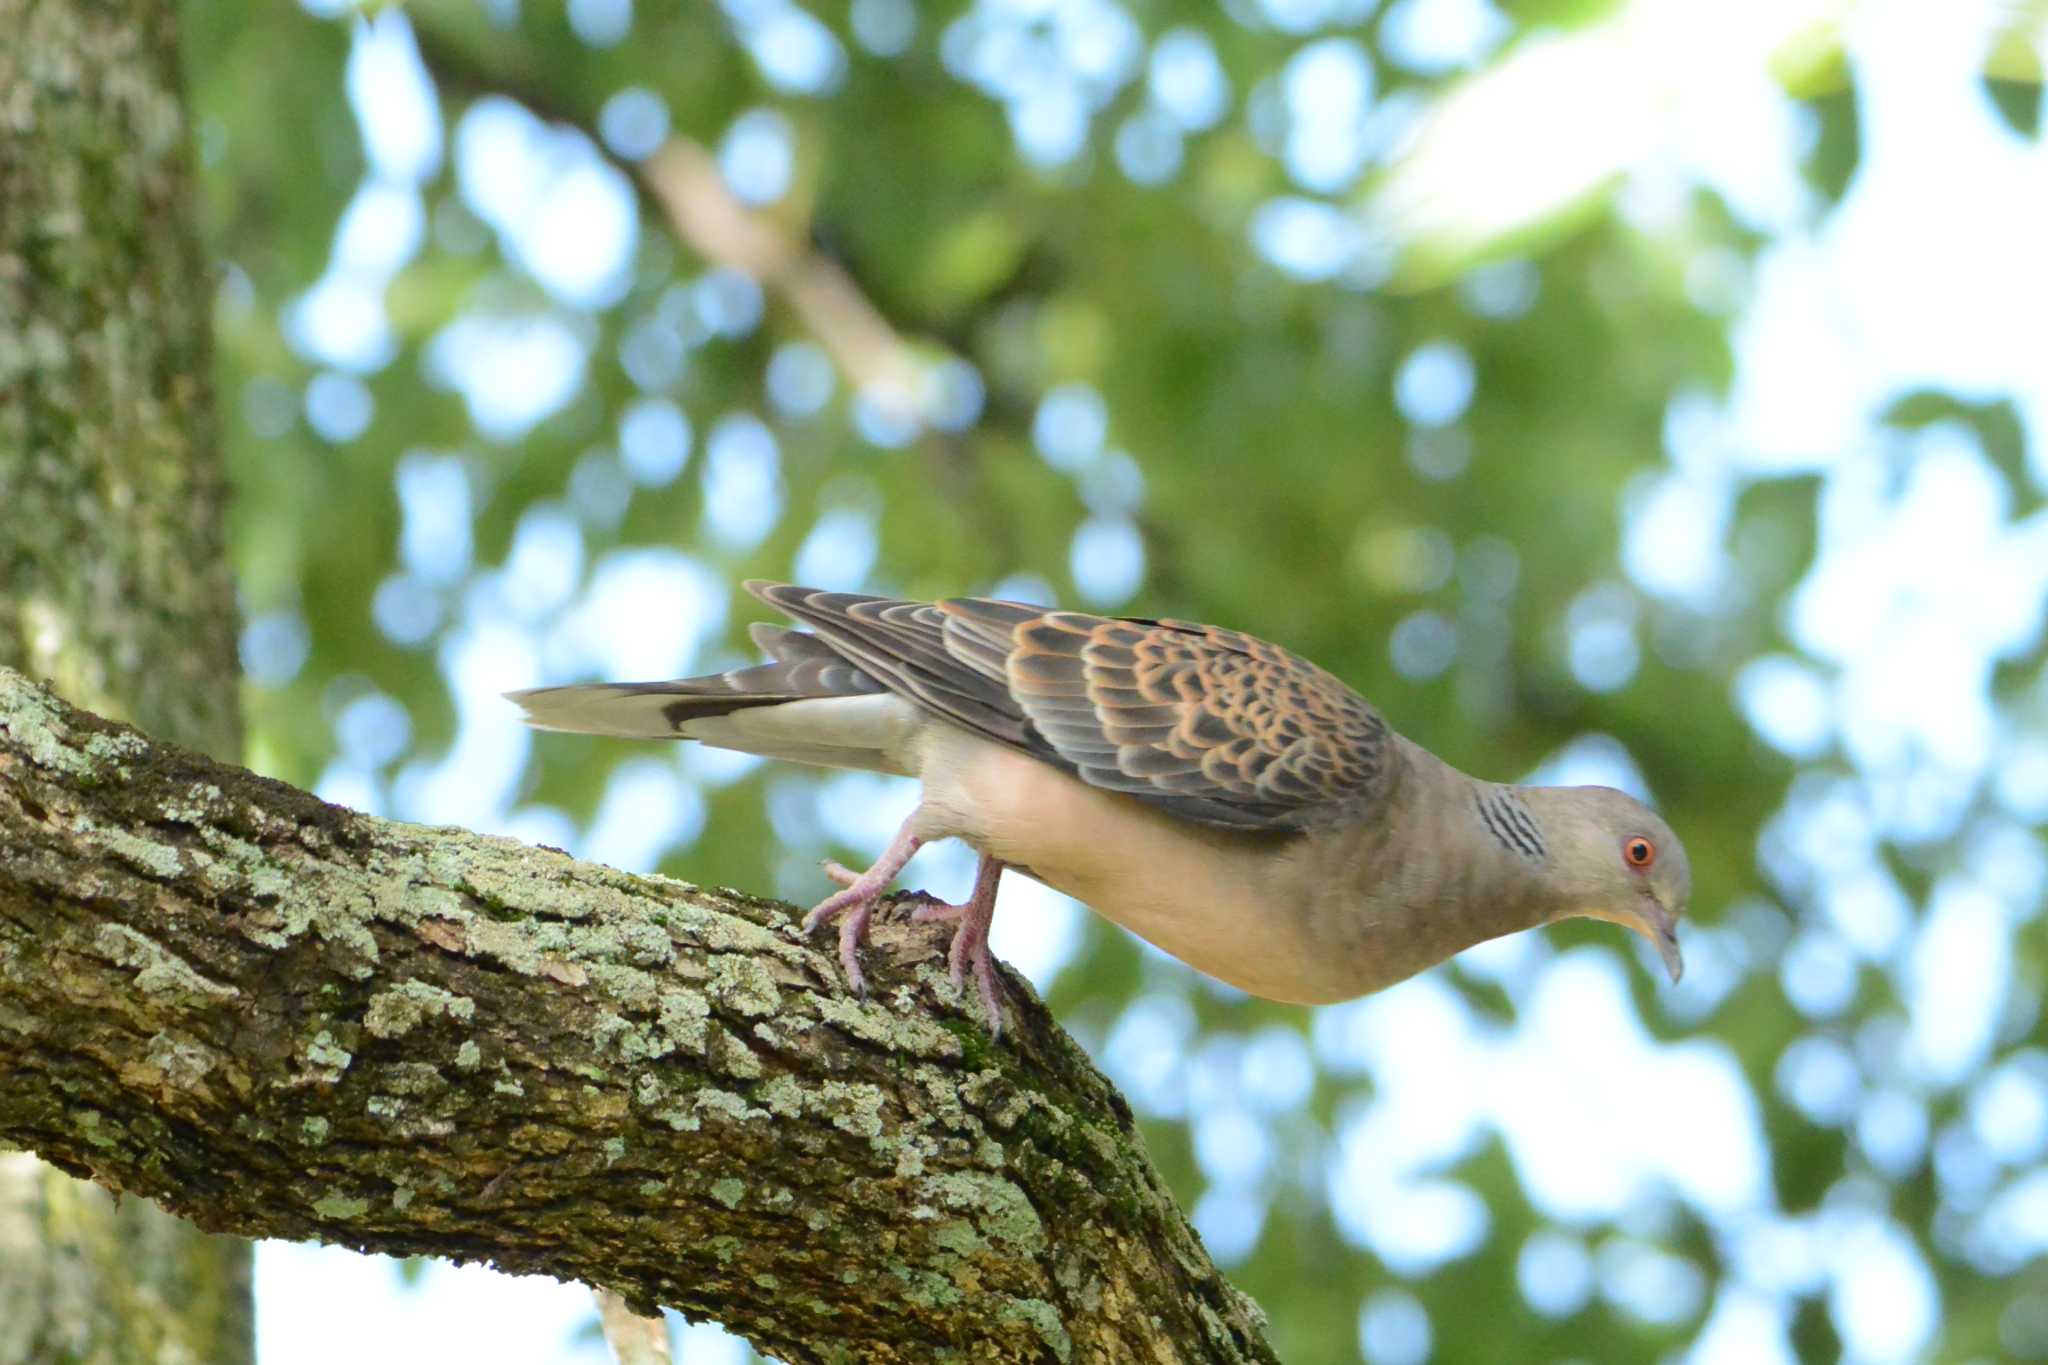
point(970, 939)
point(856, 902)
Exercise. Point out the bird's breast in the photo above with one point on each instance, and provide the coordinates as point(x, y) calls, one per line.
point(1241, 906)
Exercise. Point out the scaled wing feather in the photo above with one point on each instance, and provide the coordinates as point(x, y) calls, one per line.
point(1206, 723)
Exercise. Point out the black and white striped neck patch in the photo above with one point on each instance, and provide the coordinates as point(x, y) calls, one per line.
point(1508, 820)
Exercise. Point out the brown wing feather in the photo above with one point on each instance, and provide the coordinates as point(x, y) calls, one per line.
point(1206, 723)
point(903, 645)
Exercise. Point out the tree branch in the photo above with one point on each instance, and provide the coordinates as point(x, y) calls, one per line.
point(284, 1019)
point(680, 187)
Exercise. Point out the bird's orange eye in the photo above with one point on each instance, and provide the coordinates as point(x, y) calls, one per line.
point(1640, 852)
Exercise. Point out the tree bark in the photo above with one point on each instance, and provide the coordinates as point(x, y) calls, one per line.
point(281, 1018)
point(113, 580)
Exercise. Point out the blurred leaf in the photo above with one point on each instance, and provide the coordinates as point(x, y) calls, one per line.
point(1997, 427)
point(1537, 14)
point(2015, 53)
point(1810, 63)
point(1776, 532)
point(1839, 148)
point(1813, 1334)
point(2018, 102)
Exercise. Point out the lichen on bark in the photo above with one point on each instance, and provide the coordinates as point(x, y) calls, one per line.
point(282, 1018)
point(112, 577)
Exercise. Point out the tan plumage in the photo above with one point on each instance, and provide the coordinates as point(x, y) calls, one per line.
point(1214, 793)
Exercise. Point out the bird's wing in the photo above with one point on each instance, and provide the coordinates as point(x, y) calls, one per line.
point(1207, 724)
point(903, 645)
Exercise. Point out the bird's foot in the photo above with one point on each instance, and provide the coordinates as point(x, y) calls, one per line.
point(969, 948)
point(854, 903)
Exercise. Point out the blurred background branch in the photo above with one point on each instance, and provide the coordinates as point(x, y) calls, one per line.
point(903, 381)
point(683, 184)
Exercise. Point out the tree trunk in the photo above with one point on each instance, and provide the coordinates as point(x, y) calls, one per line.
point(112, 577)
point(284, 1019)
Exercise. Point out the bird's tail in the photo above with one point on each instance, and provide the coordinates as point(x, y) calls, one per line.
point(800, 668)
point(806, 704)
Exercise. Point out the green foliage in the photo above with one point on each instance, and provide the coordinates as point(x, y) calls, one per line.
point(1996, 427)
point(1840, 143)
point(2018, 102)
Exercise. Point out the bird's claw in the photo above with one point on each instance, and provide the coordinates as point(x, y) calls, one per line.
point(855, 901)
point(854, 904)
point(853, 929)
point(969, 948)
point(853, 914)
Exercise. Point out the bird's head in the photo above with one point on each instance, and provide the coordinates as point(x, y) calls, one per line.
point(1615, 859)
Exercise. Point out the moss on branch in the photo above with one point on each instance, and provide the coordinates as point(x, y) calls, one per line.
point(281, 1018)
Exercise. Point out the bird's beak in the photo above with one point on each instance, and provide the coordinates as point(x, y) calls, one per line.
point(1660, 926)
